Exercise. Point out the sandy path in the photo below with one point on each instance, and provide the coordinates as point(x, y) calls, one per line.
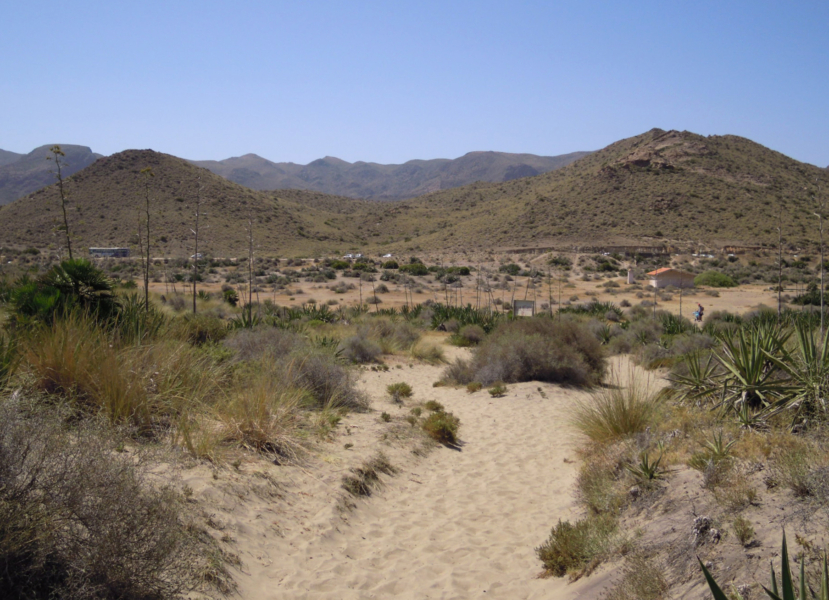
point(459, 523)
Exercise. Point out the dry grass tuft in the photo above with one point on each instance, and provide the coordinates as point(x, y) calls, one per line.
point(618, 410)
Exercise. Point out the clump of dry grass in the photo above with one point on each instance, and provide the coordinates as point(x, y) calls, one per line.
point(264, 415)
point(618, 410)
point(428, 353)
point(643, 578)
point(364, 480)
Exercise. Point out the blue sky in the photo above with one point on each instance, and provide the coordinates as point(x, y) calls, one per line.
point(392, 81)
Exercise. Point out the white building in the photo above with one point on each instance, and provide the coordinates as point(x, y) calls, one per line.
point(666, 276)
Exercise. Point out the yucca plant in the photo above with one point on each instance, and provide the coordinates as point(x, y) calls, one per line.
point(647, 470)
point(807, 366)
point(699, 382)
point(716, 448)
point(787, 590)
point(751, 378)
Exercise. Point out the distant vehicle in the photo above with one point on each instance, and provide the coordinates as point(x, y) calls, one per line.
point(387, 256)
point(198, 256)
point(348, 256)
point(358, 256)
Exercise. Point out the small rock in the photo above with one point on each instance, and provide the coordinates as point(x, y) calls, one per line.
point(715, 535)
point(634, 492)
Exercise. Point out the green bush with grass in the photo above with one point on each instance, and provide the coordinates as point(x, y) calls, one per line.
point(714, 279)
point(442, 427)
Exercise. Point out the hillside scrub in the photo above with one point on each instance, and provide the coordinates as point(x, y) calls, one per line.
point(537, 349)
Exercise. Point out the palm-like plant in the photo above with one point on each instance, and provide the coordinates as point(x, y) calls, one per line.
point(751, 377)
point(699, 381)
point(807, 366)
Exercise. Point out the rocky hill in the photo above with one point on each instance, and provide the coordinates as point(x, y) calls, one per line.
point(384, 182)
point(22, 174)
point(660, 187)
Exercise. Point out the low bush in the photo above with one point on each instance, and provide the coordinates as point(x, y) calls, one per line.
point(469, 335)
point(198, 329)
point(328, 383)
point(105, 531)
point(577, 548)
point(433, 405)
point(537, 349)
point(497, 390)
point(442, 427)
point(358, 349)
point(253, 344)
point(474, 386)
point(399, 390)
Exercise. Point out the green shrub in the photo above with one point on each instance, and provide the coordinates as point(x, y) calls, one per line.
point(574, 548)
point(442, 427)
point(497, 390)
point(198, 329)
point(433, 405)
point(474, 386)
point(714, 279)
point(391, 264)
point(416, 269)
point(399, 390)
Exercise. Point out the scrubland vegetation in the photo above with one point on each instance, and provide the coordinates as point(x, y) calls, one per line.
point(745, 408)
point(84, 359)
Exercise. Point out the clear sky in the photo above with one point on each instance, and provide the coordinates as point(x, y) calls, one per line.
point(396, 80)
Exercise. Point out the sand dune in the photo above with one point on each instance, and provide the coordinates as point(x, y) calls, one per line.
point(457, 523)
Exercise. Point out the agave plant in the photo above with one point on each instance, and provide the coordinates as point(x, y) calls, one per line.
point(787, 590)
point(647, 470)
point(699, 382)
point(751, 378)
point(807, 366)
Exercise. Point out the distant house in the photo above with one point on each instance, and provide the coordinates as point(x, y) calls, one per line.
point(666, 276)
point(109, 252)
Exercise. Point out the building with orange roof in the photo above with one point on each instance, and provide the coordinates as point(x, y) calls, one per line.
point(666, 276)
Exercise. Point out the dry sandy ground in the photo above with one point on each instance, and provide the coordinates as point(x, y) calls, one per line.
point(455, 523)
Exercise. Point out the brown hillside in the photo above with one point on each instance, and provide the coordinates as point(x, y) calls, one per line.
point(675, 186)
point(660, 186)
point(105, 197)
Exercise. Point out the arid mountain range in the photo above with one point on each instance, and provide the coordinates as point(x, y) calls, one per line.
point(658, 187)
point(22, 174)
point(384, 182)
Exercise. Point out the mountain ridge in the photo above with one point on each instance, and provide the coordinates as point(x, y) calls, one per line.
point(30, 172)
point(362, 179)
